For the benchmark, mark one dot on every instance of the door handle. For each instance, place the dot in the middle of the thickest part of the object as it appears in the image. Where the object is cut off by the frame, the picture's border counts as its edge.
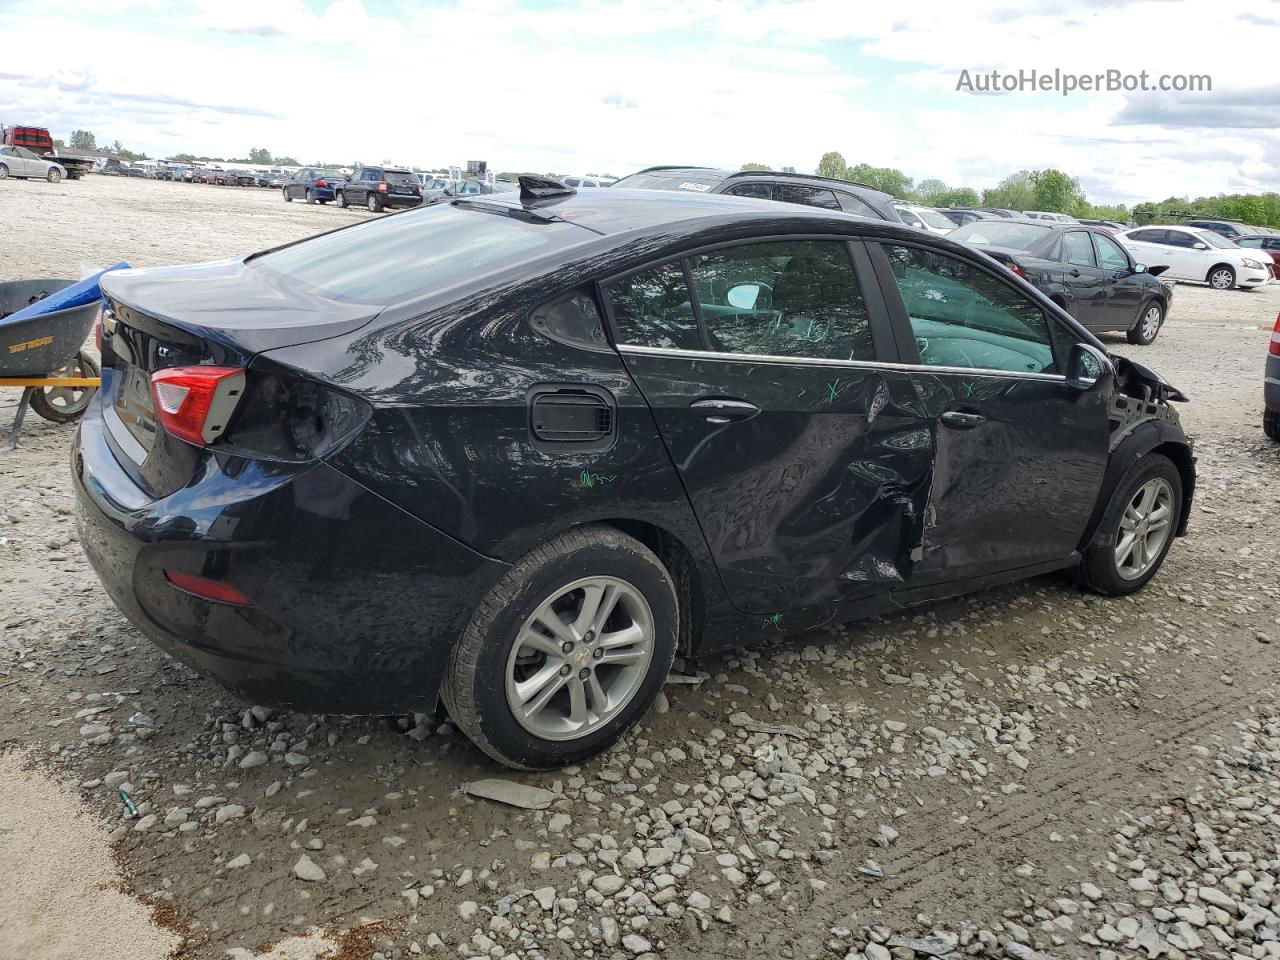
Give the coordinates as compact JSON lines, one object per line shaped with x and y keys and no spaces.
{"x":1075,"y":273}
{"x":959,"y":420}
{"x":725,"y":411}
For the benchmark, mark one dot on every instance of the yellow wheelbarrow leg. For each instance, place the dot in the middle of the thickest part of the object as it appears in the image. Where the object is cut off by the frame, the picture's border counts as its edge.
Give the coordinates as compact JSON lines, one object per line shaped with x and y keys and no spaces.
{"x":17,"y":420}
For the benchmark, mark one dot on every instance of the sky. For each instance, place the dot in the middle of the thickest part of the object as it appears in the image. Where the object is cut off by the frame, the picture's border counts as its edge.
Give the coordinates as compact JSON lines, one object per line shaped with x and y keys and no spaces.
{"x":611,"y":86}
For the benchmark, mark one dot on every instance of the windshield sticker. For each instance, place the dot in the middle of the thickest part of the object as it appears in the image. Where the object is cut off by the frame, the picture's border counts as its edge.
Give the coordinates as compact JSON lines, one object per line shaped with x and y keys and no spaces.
{"x":700,"y":187}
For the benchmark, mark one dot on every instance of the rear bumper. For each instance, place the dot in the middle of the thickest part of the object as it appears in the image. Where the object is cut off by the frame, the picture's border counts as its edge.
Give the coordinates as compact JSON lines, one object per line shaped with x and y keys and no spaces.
{"x":400,"y":199}
{"x":1271,"y":385}
{"x":356,"y":604}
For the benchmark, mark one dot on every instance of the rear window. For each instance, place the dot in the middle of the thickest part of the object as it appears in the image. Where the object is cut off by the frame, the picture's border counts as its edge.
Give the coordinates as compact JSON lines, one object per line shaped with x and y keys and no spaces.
{"x":1001,"y":233}
{"x":397,"y":258}
{"x":694,"y":181}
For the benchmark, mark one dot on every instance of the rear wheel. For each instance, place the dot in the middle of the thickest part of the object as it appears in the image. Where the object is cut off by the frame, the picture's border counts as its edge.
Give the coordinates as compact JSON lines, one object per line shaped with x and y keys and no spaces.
{"x":566,"y":652}
{"x":1149,"y":320}
{"x":1137,"y":529}
{"x":340,"y":199}
{"x":1271,"y":423}
{"x":311,"y":197}
{"x":1222,"y":277}
{"x":374,"y":204}
{"x":54,"y":175}
{"x":64,"y":404}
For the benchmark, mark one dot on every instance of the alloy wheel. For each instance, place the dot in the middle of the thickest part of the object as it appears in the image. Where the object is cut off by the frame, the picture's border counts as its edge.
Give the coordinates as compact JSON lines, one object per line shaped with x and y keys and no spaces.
{"x":580,"y":658}
{"x":1151,"y":323}
{"x":1144,"y":528}
{"x":1221,"y":279}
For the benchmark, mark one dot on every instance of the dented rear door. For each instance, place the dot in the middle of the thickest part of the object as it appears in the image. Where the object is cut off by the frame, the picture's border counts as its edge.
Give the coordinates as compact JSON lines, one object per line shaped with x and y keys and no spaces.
{"x":760,"y":362}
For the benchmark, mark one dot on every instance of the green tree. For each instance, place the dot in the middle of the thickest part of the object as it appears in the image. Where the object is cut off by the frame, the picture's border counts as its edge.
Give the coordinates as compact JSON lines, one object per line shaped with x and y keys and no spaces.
{"x":1015,"y":192}
{"x":83,"y":140}
{"x":260,"y":156}
{"x":959,"y":197}
{"x":1056,"y":192}
{"x":833,"y":165}
{"x":287,"y":162}
{"x":885,"y":179}
{"x":755,"y":166}
{"x":928,"y":191}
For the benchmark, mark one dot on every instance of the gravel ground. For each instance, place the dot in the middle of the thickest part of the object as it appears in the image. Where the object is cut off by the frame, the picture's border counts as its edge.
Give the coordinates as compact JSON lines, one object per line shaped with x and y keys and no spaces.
{"x":1031,"y":772}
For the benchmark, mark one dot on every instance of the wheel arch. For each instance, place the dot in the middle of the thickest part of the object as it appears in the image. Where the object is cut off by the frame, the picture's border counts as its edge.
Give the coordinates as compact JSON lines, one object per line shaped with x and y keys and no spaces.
{"x":1221,"y":263}
{"x":1148,"y":437}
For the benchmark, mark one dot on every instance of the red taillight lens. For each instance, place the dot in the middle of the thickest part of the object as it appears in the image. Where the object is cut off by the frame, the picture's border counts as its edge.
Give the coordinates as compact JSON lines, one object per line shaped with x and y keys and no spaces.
{"x":206,"y":588}
{"x":195,"y":403}
{"x":1015,"y":267}
{"x":1275,"y":338}
{"x":322,"y":182}
{"x":382,"y":186}
{"x":419,"y":189}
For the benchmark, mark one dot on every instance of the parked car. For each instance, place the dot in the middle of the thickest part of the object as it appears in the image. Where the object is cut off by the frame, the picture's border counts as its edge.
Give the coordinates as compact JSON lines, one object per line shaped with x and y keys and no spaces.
{"x":768,"y":185}
{"x":245,"y":178}
{"x":1003,"y":212}
{"x":380,"y":187}
{"x":313,"y":184}
{"x":433,"y":187}
{"x":1199,"y":255}
{"x":473,"y":187}
{"x":22,"y":163}
{"x":580,"y":182}
{"x":1230,"y":229}
{"x":924,"y":218}
{"x":1111,"y":226}
{"x":521,"y":449}
{"x":1269,"y":244}
{"x":1046,"y":215}
{"x":962,"y":215}
{"x":1082,"y":269}
{"x":1271,"y":387}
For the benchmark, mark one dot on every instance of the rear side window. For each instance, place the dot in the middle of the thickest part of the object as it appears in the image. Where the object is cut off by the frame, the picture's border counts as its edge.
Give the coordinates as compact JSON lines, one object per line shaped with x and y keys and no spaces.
{"x":1148,"y":236}
{"x":809,"y":196}
{"x":1077,"y":249}
{"x":964,"y":317}
{"x":653,"y":309}
{"x":852,"y":204}
{"x":791,"y":299}
{"x":429,"y":248}
{"x":761,"y":191}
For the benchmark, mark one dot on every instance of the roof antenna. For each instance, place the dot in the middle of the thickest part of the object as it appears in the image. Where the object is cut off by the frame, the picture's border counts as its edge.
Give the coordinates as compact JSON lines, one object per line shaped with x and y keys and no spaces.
{"x":534,"y":189}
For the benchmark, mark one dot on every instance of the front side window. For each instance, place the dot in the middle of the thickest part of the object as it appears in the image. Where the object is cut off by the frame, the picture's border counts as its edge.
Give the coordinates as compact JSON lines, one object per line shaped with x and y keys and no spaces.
{"x":964,"y":317}
{"x":1110,"y":254}
{"x":1077,"y":250}
{"x":653,"y":308}
{"x":787,"y":299}
{"x":809,"y":196}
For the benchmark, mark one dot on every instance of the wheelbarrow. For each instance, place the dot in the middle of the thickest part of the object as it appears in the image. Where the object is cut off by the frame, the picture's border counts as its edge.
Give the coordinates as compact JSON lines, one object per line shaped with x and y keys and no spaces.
{"x":44,"y":354}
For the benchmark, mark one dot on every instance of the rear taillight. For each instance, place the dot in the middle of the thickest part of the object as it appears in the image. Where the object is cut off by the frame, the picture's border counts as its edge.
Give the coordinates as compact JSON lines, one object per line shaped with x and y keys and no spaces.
{"x":195,"y":403}
{"x":419,"y":189}
{"x":382,"y":186}
{"x":206,"y":588}
{"x":1015,"y":267}
{"x":1275,"y":338}
{"x":285,"y":417}
{"x":322,"y":182}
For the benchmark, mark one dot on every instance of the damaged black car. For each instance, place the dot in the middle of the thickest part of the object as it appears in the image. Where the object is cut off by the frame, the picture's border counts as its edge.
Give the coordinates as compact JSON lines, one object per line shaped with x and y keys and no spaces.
{"x":523,"y":449}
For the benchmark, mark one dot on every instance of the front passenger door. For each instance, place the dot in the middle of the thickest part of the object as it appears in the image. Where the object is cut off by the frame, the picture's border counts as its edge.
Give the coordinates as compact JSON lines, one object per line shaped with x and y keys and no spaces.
{"x":1018,"y":455}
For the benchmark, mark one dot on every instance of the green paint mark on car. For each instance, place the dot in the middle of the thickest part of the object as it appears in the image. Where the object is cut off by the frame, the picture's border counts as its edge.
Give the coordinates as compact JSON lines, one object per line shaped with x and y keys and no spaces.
{"x":588,"y":479}
{"x":774,"y":621}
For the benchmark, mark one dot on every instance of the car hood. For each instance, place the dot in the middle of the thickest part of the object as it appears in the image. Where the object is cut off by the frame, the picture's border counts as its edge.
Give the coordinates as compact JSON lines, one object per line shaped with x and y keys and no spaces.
{"x":235,"y":303}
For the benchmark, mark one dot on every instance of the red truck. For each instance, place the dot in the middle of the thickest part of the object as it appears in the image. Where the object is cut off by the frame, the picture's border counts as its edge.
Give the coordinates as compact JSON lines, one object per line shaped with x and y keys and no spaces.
{"x":39,"y":142}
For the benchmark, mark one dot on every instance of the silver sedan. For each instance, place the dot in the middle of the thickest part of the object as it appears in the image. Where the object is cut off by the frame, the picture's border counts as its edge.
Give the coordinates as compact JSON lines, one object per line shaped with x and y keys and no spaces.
{"x":21,"y":162}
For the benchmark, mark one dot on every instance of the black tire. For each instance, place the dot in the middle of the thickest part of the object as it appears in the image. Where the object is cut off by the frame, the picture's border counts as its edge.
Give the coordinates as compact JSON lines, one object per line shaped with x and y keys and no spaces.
{"x":54,"y":175}
{"x":1147,"y":326}
{"x":287,"y":198}
{"x":58,"y":407}
{"x":1098,"y":570}
{"x":1271,"y":423}
{"x":4,"y":172}
{"x":1221,"y":277}
{"x":474,"y":688}
{"x":311,"y":197}
{"x":373,"y":203}
{"x":340,"y":199}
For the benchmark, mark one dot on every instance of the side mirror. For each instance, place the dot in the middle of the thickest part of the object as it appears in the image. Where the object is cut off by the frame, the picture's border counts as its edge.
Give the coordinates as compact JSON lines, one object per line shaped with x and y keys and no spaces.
{"x":1139,"y":268}
{"x":1202,"y":246}
{"x":744,"y":296}
{"x":1087,"y":366}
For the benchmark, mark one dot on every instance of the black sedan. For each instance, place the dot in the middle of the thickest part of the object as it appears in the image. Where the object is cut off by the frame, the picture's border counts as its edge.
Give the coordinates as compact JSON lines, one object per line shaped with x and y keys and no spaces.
{"x":522,"y":449}
{"x":1082,"y":269}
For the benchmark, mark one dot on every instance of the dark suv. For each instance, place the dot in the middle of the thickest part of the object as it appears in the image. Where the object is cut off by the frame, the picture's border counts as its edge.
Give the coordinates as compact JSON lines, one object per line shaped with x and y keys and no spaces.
{"x":380,"y":187}
{"x":521,"y":449}
{"x":1231,"y":229}
{"x":768,"y":185}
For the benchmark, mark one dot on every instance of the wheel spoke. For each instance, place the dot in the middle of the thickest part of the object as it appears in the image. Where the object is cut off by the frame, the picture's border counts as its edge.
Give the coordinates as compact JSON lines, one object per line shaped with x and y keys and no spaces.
{"x":533,"y":640}
{"x":551,"y":621}
{"x":605,"y":609}
{"x":592,"y":594}
{"x":544,"y":697}
{"x":622,"y":638}
{"x":578,"y":715}
{"x":1124,"y":548}
{"x":599,"y":699}
{"x":1139,"y":552}
{"x":526,"y":690}
{"x":630,"y":655}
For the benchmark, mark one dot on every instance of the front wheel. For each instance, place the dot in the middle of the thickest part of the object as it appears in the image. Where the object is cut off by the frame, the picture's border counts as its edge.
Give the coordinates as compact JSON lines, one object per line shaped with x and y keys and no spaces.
{"x":64,"y":404}
{"x":54,"y":175}
{"x":1137,"y":529}
{"x":566,"y":652}
{"x":1222,"y":278}
{"x":287,"y":198}
{"x":4,"y":172}
{"x":1144,"y":331}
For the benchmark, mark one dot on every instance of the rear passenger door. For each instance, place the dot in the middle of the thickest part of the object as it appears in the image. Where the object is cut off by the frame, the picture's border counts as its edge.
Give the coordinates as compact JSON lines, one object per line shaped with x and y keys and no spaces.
{"x":1085,"y":282}
{"x":1018,"y":455}
{"x":759,"y":362}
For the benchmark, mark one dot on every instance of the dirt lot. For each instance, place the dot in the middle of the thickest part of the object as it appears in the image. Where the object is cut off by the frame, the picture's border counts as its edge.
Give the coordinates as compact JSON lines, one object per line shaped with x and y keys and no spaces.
{"x":1029,"y":772}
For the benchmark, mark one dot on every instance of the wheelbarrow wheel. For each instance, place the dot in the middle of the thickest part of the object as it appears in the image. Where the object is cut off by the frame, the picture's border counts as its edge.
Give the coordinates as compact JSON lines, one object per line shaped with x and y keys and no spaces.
{"x":64,"y":404}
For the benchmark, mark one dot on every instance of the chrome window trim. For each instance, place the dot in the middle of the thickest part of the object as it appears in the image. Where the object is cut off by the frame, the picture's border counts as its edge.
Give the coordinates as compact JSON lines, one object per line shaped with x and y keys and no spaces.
{"x":822,"y":362}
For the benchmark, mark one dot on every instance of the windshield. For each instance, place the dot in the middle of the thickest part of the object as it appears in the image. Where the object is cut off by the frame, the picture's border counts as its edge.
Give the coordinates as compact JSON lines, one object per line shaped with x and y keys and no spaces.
{"x":697,"y":181}
{"x":397,"y":258}
{"x":1213,"y":239}
{"x":1001,"y":233}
